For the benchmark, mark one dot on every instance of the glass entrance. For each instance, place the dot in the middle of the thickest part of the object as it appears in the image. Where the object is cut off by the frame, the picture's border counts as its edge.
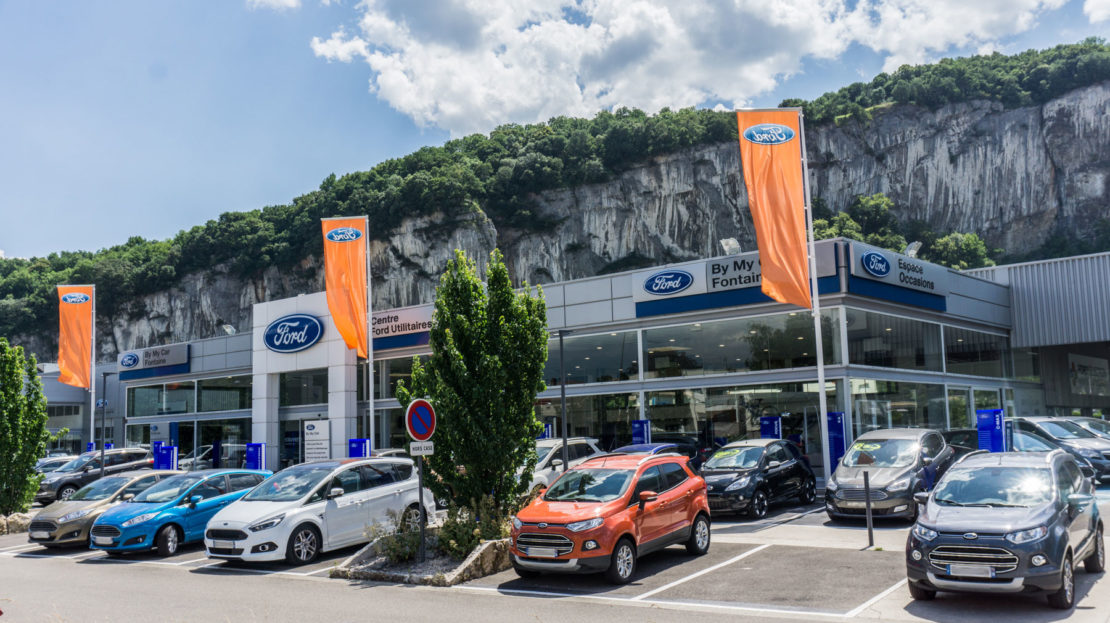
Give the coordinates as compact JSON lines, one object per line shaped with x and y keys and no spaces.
{"x":292,"y":443}
{"x":959,"y":408}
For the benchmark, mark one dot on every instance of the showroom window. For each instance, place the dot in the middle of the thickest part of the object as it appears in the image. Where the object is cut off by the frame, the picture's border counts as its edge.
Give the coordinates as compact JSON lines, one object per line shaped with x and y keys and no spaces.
{"x":600,"y":358}
{"x":224,"y":394}
{"x":889,"y":404}
{"x":740,"y":345}
{"x":974,"y":352}
{"x":892,"y":341}
{"x":1027,"y":364}
{"x":607,"y":418}
{"x":386,"y":374}
{"x":162,"y":399}
{"x":304,"y":387}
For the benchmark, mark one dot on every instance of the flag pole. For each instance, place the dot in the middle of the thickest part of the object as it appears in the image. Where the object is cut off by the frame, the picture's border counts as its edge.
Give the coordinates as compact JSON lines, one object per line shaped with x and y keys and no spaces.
{"x":92,"y":383}
{"x":373,"y":420}
{"x":823,"y":419}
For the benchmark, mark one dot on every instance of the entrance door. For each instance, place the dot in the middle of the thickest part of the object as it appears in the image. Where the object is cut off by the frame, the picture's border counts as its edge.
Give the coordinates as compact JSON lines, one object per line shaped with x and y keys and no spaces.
{"x":959,"y":408}
{"x":292,"y":443}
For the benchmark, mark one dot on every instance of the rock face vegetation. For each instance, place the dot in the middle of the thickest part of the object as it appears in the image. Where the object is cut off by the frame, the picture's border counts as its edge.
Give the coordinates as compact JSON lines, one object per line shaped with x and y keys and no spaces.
{"x":986,"y":158}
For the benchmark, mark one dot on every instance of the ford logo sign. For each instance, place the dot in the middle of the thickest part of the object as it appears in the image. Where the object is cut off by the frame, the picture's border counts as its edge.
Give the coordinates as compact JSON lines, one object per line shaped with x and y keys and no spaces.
{"x":343,"y":234}
{"x":75,"y":298}
{"x":293,"y":333}
{"x":130,"y":360}
{"x":970,"y":536}
{"x":769,"y":134}
{"x":876,"y":264}
{"x":668,"y":282}
{"x":310,"y":427}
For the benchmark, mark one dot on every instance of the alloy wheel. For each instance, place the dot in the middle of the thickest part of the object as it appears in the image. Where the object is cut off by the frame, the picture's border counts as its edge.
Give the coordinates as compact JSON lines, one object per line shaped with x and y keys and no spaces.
{"x":65,"y":494}
{"x":171,"y":540}
{"x":304,"y":545}
{"x":1069,"y":581}
{"x":701,"y":534}
{"x":759,"y":505}
{"x":624,"y":560}
{"x":1100,"y":550}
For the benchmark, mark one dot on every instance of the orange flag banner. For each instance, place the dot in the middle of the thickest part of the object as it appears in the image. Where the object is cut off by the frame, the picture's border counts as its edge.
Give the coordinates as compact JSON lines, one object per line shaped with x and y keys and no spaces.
{"x":345,"y":276}
{"x":75,"y":326}
{"x":771,"y":154}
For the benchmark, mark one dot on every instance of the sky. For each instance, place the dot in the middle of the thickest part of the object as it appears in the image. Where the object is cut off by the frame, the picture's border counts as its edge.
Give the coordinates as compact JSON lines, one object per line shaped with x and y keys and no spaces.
{"x":139,"y":118}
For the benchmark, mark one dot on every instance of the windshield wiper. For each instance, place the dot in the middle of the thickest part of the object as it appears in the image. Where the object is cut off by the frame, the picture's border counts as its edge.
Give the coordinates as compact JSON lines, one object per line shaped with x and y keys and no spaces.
{"x":955,"y":503}
{"x":1001,"y":505}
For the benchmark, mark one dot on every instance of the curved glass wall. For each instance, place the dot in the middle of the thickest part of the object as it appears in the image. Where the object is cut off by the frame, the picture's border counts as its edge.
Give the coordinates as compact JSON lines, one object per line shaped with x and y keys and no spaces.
{"x":892,"y":341}
{"x":975,"y":352}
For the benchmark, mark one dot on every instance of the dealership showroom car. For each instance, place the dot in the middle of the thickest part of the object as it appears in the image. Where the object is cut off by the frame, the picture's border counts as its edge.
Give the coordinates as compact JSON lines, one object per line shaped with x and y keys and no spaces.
{"x":605,"y":513}
{"x":315,"y":507}
{"x":966,"y":440}
{"x":67,"y":522}
{"x":899,"y":462}
{"x":67,"y":479}
{"x":748,"y":476}
{"x":51,"y":463}
{"x":1076,"y":438}
{"x":549,"y":458}
{"x":1007,"y":523}
{"x":171,"y":513}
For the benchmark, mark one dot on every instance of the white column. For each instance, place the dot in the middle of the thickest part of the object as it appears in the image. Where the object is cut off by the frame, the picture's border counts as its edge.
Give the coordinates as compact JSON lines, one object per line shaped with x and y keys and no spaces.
{"x":264,"y":417}
{"x":342,"y":396}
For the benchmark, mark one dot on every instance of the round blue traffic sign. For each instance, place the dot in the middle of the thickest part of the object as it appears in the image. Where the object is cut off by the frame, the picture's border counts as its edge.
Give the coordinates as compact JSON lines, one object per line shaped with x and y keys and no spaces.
{"x":420,"y":419}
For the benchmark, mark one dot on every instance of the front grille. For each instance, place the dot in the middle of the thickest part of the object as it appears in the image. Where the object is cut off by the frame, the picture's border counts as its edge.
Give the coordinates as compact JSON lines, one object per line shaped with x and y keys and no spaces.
{"x":111,"y":531}
{"x":222,"y":551}
{"x":42,"y":526}
{"x":857,"y":495}
{"x":226,"y":535}
{"x":562,"y":544}
{"x":1002,"y":560}
{"x":719,"y":503}
{"x":1106,"y":455}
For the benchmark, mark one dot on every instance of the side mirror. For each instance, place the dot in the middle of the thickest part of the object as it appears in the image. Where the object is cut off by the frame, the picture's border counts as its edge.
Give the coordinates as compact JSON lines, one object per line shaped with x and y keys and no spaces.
{"x":1079,"y":501}
{"x":194,"y":500}
{"x":1088,"y":471}
{"x":774,"y":464}
{"x":927,"y":461}
{"x":126,"y":497}
{"x":921,"y":497}
{"x":556,"y":463}
{"x":647,"y":496}
{"x":335,"y":492}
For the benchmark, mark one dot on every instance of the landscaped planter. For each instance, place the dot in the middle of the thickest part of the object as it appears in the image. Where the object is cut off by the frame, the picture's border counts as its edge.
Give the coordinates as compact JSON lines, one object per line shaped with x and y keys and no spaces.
{"x":15,"y":523}
{"x":368,"y":564}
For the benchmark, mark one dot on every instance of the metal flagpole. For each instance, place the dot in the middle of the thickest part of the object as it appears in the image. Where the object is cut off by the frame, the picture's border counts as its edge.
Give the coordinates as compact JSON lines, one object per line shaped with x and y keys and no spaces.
{"x":369,"y":344}
{"x":92,"y":384}
{"x":823,"y":416}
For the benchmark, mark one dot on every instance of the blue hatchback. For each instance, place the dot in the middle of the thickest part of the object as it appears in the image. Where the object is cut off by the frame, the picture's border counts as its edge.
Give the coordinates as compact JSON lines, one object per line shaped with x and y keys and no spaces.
{"x":173,"y":512}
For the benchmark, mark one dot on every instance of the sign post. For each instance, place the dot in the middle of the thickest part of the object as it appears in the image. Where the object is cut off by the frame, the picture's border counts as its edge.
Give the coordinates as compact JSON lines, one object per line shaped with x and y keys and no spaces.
{"x":420,"y":420}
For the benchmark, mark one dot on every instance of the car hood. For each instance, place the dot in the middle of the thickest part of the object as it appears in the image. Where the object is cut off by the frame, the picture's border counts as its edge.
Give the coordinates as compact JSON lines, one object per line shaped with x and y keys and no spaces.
{"x":879,"y":476}
{"x":984,"y":520}
{"x":566,"y":512}
{"x":61,"y":509}
{"x":1098,"y":443}
{"x":718,"y":479}
{"x":240,"y":513}
{"x":123,"y":512}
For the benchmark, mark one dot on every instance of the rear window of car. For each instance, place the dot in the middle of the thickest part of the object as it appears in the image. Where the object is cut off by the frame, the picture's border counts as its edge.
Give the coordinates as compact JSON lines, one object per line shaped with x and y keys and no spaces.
{"x":673,"y":475}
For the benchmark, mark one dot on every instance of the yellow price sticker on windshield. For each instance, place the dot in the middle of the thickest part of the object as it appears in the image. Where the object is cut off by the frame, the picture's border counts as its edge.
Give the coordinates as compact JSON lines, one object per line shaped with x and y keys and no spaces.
{"x":866,"y":447}
{"x":724,"y":453}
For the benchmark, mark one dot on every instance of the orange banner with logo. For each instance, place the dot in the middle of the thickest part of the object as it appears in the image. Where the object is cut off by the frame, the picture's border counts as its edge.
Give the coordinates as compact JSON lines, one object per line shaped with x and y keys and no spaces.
{"x":771,"y":154}
{"x":345,"y":274}
{"x":75,"y":331}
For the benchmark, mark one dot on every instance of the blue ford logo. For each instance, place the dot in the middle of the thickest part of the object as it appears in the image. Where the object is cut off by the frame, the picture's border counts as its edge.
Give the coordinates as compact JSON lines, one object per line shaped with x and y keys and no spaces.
{"x":292,"y":333}
{"x":75,"y":298}
{"x":668,"y":282}
{"x":344,"y":234}
{"x":310,"y":427}
{"x":130,"y":360}
{"x":876,"y":264}
{"x":769,"y":134}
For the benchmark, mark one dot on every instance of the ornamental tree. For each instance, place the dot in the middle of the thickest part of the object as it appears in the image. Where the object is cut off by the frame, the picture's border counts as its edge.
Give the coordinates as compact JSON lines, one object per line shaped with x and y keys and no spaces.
{"x":23,"y":434}
{"x":489,"y":347}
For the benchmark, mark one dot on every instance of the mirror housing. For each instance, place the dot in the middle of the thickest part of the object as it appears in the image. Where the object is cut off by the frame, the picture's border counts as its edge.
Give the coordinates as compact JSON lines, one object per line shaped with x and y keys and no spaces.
{"x":921,"y":497}
{"x":647,"y":496}
{"x":194,"y":500}
{"x":927,"y":461}
{"x":773,"y":464}
{"x":1088,"y":471}
{"x":335,"y":492}
{"x":127,"y":497}
{"x":556,"y":463}
{"x":1079,"y":501}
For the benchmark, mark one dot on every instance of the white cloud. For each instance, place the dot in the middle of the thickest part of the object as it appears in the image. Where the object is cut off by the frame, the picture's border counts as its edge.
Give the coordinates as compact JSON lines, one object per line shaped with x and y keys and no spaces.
{"x":469,"y":65}
{"x":277,"y":5}
{"x":1,"y":254}
{"x":1097,"y":10}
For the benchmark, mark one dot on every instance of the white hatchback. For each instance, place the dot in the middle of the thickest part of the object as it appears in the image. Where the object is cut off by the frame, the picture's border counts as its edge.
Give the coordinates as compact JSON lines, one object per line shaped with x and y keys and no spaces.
{"x":315,"y":507}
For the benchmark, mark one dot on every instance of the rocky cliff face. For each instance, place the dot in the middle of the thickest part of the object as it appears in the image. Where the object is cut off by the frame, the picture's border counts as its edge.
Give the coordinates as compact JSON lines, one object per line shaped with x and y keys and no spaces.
{"x":1013,"y":176}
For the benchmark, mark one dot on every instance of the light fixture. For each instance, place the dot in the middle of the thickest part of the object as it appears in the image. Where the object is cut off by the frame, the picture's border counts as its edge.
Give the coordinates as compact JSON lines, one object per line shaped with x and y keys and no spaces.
{"x":599,"y":348}
{"x":753,"y":331}
{"x":959,"y":339}
{"x":613,"y":335}
{"x":888,"y":329}
{"x":671,"y":340}
{"x":697,"y":324}
{"x":766,"y":350}
{"x":731,"y":246}
{"x":912,"y":249}
{"x":228,"y":329}
{"x":801,"y":337}
{"x":720,"y":345}
{"x":587,"y":358}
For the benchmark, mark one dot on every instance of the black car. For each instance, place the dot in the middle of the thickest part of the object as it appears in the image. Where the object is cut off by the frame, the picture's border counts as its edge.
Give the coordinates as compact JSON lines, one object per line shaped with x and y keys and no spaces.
{"x":899,"y":462}
{"x":1006,"y":522}
{"x":748,"y":476}
{"x":690,"y":445}
{"x":965,"y":440}
{"x":1075,"y":438}
{"x":66,"y":480}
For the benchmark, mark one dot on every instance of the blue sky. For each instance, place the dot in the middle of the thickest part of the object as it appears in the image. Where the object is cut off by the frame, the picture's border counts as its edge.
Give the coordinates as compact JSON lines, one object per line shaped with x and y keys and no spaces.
{"x":144,"y":118}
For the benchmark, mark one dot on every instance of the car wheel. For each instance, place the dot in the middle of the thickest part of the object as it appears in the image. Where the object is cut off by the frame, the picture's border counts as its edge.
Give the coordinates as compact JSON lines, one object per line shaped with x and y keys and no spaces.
{"x":65,"y":492}
{"x":622,"y":564}
{"x":1096,"y":561}
{"x":758,"y":507}
{"x":410,"y":520}
{"x":698,"y":543}
{"x":1064,"y":599}
{"x":920,"y":593}
{"x":524,"y":573}
{"x":303,"y":546}
{"x":808,"y":493}
{"x":167,"y":541}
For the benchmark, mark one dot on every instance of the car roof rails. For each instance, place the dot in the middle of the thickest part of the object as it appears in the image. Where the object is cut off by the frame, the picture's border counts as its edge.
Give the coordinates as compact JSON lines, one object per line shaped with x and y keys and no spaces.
{"x":972,"y":453}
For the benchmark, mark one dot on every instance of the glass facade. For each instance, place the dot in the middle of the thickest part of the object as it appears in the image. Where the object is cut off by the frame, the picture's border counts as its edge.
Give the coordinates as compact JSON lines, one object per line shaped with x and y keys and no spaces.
{"x":304,"y":387}
{"x":975,"y":352}
{"x":161,"y":399}
{"x":599,"y":358}
{"x":959,"y":408}
{"x":607,"y":418}
{"x":892,"y":341}
{"x":386,"y":374}
{"x":224,"y":394}
{"x":893,"y":404}
{"x":1027,"y":364}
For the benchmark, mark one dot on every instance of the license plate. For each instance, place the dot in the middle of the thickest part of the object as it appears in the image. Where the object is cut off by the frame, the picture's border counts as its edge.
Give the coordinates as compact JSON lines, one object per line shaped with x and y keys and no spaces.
{"x":102,"y":540}
{"x":852,"y":504}
{"x":40,"y":535}
{"x":542,"y":552}
{"x":971,"y":571}
{"x":223,"y":544}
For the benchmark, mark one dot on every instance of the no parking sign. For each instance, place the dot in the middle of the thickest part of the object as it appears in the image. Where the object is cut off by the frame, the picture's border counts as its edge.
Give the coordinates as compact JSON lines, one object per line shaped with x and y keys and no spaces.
{"x":420,"y":420}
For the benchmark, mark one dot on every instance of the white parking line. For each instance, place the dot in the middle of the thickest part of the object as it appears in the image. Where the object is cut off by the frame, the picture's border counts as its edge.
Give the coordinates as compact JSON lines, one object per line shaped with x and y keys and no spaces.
{"x":702,"y":572}
{"x":185,"y":562}
{"x":87,"y":554}
{"x":867,"y":604}
{"x":24,"y":547}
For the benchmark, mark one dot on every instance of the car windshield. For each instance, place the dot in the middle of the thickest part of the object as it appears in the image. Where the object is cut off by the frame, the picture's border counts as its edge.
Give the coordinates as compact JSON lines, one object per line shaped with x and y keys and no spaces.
{"x":735,"y":458}
{"x":542,"y":452}
{"x":589,"y":485}
{"x":289,"y":484}
{"x":169,"y":488}
{"x":1025,"y":442}
{"x":1066,"y":430}
{"x":1098,"y":425}
{"x":77,"y":463}
{"x":882,"y":453}
{"x":995,"y":486}
{"x":100,"y":490}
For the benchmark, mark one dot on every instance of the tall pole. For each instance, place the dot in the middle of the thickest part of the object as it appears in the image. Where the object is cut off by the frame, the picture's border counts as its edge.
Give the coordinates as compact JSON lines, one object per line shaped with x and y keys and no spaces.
{"x":563,"y":396}
{"x":373,"y":419}
{"x":92,"y":383}
{"x":104,"y":386}
{"x":823,"y":416}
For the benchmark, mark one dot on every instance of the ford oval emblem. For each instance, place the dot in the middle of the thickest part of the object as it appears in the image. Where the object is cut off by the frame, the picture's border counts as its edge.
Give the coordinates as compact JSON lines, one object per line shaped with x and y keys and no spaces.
{"x":292,"y":334}
{"x":876,"y":264}
{"x":541,"y":525}
{"x":310,"y":427}
{"x":75,"y":298}
{"x":668,"y":282}
{"x":970,"y":536}
{"x":130,"y":360}
{"x":769,"y":134}
{"x":343,"y":234}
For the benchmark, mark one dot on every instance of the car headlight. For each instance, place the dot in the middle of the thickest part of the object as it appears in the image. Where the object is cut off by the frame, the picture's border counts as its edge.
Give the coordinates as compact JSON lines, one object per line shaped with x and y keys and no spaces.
{"x":588,"y":524}
{"x":831,"y":485}
{"x":75,"y":515}
{"x":739,"y":483}
{"x":267,"y":524}
{"x":516,"y":523}
{"x":139,"y":519}
{"x":900,"y":485}
{"x":923,"y":533}
{"x":1027,"y":536}
{"x":1090,"y":454}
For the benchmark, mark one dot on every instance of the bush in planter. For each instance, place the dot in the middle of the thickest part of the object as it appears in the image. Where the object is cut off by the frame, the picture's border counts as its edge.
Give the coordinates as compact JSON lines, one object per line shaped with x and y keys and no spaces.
{"x":464,"y":529}
{"x":398,"y":540}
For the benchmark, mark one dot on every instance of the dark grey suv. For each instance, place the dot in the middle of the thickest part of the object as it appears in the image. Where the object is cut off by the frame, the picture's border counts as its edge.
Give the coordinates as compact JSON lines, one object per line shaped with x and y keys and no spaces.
{"x":1007,"y":522}
{"x":67,"y":479}
{"x":1074,"y":437}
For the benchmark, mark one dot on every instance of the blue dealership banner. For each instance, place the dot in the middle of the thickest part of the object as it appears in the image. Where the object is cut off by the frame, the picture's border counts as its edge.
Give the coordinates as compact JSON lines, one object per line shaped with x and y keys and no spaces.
{"x":166,"y":457}
{"x":109,"y":445}
{"x":548,"y":431}
{"x":770,"y":427}
{"x":256,"y":456}
{"x":89,"y":447}
{"x":641,"y":431}
{"x":991,"y":430}
{"x":358,"y":448}
{"x":836,"y":437}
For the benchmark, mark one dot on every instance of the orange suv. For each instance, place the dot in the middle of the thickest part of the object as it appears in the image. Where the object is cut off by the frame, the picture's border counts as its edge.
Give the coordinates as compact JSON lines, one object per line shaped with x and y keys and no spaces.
{"x":608,"y":511}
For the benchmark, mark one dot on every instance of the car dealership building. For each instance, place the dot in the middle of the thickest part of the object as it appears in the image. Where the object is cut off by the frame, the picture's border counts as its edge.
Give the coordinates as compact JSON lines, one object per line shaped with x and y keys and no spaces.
{"x":695,"y":348}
